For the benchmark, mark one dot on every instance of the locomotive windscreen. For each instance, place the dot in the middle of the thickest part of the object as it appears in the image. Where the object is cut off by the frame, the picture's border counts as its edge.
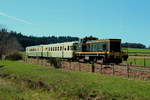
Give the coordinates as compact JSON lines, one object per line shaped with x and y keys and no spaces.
{"x":115,"y":46}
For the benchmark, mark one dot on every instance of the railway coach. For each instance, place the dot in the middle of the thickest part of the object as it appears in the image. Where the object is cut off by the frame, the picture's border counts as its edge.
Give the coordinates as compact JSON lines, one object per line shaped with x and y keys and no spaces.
{"x":59,"y":50}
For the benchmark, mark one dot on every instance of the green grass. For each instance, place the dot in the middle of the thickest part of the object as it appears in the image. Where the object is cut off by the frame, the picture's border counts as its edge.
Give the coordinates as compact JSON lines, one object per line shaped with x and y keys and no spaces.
{"x":72,"y":85}
{"x":135,"y":51}
{"x":138,"y":61}
{"x":9,"y":90}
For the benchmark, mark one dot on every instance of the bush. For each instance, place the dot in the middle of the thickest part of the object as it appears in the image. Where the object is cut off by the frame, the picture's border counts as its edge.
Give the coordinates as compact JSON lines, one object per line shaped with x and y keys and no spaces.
{"x":15,"y":56}
{"x":56,"y":62}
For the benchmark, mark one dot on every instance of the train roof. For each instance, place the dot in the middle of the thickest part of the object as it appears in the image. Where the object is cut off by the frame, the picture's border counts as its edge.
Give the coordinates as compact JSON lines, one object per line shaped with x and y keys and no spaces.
{"x":101,"y":40}
{"x":67,"y":43}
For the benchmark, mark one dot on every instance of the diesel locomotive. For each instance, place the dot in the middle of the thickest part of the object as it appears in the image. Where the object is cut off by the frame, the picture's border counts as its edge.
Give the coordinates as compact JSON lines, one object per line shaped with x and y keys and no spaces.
{"x":101,"y":51}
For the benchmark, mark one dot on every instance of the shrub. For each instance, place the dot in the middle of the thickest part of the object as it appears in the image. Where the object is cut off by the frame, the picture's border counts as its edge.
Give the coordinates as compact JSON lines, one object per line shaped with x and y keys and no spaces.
{"x":56,"y":62}
{"x":15,"y":56}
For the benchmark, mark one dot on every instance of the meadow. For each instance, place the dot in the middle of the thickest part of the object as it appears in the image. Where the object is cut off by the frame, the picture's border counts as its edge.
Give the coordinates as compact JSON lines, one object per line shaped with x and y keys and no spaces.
{"x":137,"y":52}
{"x":21,"y":81}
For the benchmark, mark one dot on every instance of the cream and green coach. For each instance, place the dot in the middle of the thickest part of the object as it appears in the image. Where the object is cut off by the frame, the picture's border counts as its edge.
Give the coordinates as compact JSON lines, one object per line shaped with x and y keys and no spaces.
{"x":59,"y":50}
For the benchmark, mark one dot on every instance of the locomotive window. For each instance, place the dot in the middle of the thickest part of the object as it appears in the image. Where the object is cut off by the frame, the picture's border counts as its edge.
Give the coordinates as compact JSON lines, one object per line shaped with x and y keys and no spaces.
{"x":104,"y":46}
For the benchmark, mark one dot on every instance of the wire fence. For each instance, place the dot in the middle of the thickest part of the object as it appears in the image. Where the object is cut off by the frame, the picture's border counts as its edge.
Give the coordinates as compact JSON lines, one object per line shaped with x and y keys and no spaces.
{"x":126,"y":70}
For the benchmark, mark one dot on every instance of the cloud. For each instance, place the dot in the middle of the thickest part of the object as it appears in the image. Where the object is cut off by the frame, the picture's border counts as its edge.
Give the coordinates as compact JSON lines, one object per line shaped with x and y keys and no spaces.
{"x":14,"y":18}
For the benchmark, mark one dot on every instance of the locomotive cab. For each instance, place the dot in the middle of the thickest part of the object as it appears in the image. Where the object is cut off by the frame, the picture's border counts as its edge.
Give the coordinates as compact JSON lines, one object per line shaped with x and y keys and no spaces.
{"x":104,"y":51}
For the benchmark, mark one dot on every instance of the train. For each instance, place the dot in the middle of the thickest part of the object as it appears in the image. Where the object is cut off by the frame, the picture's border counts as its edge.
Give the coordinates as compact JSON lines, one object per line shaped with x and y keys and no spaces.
{"x":100,"y":51}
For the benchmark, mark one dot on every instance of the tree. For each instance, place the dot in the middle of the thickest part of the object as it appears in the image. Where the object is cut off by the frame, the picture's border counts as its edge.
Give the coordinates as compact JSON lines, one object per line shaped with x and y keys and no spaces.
{"x":133,"y":45}
{"x":8,"y":44}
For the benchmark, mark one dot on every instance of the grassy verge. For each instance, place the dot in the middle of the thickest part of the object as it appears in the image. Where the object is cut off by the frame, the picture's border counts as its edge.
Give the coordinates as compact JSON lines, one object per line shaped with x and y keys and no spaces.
{"x":70,"y":85}
{"x":9,"y":90}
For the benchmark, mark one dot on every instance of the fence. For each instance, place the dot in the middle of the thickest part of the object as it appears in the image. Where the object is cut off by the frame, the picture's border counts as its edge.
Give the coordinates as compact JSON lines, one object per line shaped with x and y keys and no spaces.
{"x":111,"y":69}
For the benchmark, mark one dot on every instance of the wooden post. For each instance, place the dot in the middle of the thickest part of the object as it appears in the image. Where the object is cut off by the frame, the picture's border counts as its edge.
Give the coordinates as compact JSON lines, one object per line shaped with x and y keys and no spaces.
{"x":70,"y":65}
{"x":79,"y":66}
{"x":74,"y":66}
{"x":113,"y":69}
{"x":61,"y":63}
{"x":101,"y":68}
{"x":93,"y":67}
{"x":135,"y":61}
{"x":128,"y":70}
{"x":144,"y":61}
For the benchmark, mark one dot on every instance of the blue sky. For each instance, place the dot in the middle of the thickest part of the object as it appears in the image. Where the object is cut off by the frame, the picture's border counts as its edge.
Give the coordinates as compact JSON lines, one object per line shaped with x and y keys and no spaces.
{"x":125,"y":19}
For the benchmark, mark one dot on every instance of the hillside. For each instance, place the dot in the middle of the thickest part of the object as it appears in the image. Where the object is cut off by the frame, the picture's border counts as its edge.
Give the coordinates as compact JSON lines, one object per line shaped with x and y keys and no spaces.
{"x":44,"y":83}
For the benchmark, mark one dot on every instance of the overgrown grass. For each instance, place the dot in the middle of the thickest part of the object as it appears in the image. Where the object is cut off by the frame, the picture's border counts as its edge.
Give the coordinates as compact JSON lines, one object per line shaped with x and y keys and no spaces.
{"x":75,"y":85}
{"x":9,"y":90}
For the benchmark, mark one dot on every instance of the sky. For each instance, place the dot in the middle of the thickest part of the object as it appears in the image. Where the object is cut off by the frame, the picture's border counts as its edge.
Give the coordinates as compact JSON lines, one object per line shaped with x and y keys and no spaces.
{"x":128,"y":20}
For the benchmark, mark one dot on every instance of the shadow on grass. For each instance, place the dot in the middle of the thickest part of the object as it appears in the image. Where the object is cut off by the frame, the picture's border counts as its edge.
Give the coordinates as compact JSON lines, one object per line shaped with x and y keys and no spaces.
{"x":1,"y":66}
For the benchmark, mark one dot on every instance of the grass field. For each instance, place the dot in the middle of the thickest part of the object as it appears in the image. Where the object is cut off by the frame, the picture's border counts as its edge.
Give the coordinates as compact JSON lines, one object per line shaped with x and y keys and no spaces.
{"x":138,"y":61}
{"x":135,"y":51}
{"x":20,"y":81}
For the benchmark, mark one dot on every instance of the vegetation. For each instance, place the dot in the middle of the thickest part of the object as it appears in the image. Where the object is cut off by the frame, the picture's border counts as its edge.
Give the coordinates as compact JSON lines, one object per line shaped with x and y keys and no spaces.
{"x":138,"y":61}
{"x":32,"y":40}
{"x":56,"y":62}
{"x":66,"y":85}
{"x":8,"y":44}
{"x":15,"y":56}
{"x":136,"y":51}
{"x":133,"y":45}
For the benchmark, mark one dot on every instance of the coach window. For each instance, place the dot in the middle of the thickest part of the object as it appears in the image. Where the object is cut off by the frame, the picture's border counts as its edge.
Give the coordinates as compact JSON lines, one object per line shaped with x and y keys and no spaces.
{"x":68,"y":48}
{"x":55,"y":48}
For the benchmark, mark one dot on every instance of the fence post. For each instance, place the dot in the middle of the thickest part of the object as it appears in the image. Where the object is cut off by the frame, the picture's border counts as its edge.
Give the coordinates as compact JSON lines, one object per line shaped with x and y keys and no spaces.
{"x":101,"y":68}
{"x":144,"y":61}
{"x":113,"y":69}
{"x":135,"y":61}
{"x":93,"y":67}
{"x":74,"y":66}
{"x":128,"y":70}
{"x":79,"y":66}
{"x":70,"y":65}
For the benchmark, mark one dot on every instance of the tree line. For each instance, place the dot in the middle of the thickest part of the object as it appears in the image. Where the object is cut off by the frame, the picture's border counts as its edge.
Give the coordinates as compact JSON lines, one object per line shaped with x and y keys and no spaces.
{"x":133,"y":45}
{"x":32,"y":40}
{"x":12,"y":41}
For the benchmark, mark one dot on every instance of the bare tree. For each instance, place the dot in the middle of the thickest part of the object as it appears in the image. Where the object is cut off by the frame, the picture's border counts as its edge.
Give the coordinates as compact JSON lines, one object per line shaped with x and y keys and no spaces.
{"x":8,"y":44}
